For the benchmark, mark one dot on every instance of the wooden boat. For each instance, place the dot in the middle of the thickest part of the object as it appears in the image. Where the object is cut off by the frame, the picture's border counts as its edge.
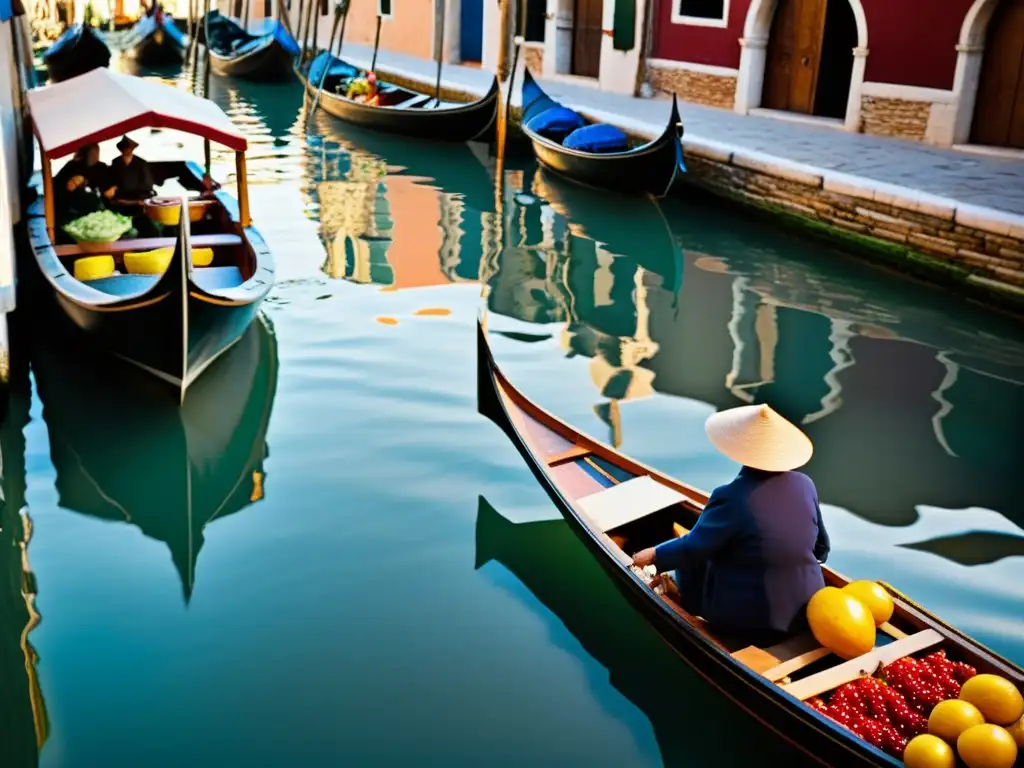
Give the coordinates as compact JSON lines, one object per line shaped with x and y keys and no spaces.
{"x":650,"y":168}
{"x":74,"y":53}
{"x":235,"y":52}
{"x":618,"y":506}
{"x":121,"y":455}
{"x":401,"y":111}
{"x":173,"y":323}
{"x":155,"y":41}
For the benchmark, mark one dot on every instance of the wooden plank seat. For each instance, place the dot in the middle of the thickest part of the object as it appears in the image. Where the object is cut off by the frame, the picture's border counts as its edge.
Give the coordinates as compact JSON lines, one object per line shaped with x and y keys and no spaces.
{"x":152,"y":243}
{"x":627,"y":502}
{"x":415,"y":102}
{"x":861,"y":666}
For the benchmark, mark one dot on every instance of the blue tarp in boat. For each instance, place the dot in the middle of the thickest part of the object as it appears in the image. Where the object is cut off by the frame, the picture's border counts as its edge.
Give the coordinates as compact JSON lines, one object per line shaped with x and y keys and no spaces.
{"x":335,"y":69}
{"x":599,"y":137}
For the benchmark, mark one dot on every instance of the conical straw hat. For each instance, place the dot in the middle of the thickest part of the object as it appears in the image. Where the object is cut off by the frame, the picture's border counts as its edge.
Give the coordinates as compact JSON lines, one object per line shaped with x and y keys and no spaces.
{"x":758,"y":437}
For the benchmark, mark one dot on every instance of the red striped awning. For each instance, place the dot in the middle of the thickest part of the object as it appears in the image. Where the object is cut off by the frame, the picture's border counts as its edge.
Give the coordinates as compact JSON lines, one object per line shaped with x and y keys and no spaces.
{"x":102,"y":105}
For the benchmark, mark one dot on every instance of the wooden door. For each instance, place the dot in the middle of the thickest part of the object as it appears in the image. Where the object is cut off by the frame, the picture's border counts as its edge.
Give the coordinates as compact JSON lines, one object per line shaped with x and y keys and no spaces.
{"x":999,"y":110}
{"x":794,"y":55}
{"x":586,"y":38}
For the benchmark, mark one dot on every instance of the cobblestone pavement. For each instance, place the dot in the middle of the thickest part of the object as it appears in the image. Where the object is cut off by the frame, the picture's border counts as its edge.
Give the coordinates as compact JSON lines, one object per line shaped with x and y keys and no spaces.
{"x":965,"y":177}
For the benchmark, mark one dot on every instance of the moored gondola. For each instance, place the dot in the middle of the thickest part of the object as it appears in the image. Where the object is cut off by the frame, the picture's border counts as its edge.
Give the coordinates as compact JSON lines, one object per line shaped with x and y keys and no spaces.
{"x":173,"y":304}
{"x":394,"y":109}
{"x":618,"y":165}
{"x":155,"y":41}
{"x":617,"y":506}
{"x":235,"y":52}
{"x":74,"y":53}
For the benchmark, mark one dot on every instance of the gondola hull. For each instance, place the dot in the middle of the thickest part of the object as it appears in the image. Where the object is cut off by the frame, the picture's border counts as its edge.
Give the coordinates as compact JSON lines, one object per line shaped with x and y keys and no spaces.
{"x":269,"y":60}
{"x":155,"y":43}
{"x":649,"y":169}
{"x":74,"y":53}
{"x":459,"y":123}
{"x":822,"y":740}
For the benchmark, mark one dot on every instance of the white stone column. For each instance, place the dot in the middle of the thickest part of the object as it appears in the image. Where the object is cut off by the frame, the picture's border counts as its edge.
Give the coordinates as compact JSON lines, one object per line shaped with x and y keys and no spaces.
{"x":453,"y":31}
{"x":853,"y":102}
{"x":965,"y":89}
{"x":558,"y":38}
{"x":750,"y":82}
{"x":492,"y":35}
{"x":618,"y":70}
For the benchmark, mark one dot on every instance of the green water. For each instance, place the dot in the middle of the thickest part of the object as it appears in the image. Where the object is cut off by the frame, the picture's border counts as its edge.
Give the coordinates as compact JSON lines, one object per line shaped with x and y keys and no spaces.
{"x":328,"y":558}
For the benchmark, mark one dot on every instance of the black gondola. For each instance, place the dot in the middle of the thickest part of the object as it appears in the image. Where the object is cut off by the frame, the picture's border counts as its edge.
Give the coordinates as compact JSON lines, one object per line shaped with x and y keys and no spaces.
{"x":173,"y":314}
{"x":650,"y":168}
{"x":155,"y":41}
{"x":74,"y":53}
{"x":235,"y":52}
{"x":774,"y":685}
{"x":400,"y":110}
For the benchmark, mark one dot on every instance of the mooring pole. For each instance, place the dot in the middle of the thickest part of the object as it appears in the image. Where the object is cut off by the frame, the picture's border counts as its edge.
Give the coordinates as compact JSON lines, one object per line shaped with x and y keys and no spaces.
{"x":376,"y":45}
{"x":506,"y":24}
{"x":341,"y":35}
{"x":439,"y":48}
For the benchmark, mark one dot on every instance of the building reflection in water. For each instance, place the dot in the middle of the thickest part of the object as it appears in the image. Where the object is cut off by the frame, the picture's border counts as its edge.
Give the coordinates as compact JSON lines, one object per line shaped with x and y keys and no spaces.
{"x":24,"y":725}
{"x":548,"y":559}
{"x":900,"y":404}
{"x":133,"y":457}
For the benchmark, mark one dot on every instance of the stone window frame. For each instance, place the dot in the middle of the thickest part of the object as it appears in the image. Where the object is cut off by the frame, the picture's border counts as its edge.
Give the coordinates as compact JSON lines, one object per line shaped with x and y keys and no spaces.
{"x":700,"y":21}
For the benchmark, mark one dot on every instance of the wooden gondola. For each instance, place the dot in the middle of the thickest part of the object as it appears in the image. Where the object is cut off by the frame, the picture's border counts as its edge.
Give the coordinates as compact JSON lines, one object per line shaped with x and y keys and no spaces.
{"x":155,"y":41}
{"x":401,"y":111}
{"x":75,"y":52}
{"x":617,"y":506}
{"x":650,"y":168}
{"x":200,"y":463}
{"x":235,"y":52}
{"x":173,"y":323}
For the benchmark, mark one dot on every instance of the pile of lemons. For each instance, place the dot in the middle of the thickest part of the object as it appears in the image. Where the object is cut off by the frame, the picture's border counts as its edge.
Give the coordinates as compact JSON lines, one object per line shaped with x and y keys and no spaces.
{"x":986,"y":725}
{"x":844,"y":620}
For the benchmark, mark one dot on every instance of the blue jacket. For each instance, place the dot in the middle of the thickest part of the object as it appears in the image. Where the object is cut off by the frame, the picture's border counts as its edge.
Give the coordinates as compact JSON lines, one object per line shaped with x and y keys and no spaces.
{"x":762,"y":538}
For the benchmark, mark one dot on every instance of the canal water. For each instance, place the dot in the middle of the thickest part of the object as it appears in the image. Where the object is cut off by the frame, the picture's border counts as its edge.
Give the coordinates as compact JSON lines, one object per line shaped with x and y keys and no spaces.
{"x":328,"y":557}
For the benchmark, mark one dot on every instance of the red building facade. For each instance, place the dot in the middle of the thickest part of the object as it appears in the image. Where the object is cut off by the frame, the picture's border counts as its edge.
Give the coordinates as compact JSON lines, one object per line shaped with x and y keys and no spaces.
{"x":947,"y":72}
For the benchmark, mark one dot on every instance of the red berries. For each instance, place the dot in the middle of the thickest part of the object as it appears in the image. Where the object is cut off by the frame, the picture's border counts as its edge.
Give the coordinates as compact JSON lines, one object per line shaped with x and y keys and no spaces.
{"x":889,"y":715}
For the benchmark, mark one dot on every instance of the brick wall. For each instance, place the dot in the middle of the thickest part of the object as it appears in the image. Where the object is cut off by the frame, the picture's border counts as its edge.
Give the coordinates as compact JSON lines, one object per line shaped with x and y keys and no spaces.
{"x":697,"y":87}
{"x":895,"y":117}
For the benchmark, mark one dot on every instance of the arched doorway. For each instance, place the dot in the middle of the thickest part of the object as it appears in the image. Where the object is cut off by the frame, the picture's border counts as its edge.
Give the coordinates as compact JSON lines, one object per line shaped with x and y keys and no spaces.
{"x":999,"y":106}
{"x":810,"y":57}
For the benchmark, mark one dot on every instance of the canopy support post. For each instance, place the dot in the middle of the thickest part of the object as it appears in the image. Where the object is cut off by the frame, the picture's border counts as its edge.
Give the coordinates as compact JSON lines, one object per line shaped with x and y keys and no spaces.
{"x":51,"y":223}
{"x":243,"y":191}
{"x":376,"y":45}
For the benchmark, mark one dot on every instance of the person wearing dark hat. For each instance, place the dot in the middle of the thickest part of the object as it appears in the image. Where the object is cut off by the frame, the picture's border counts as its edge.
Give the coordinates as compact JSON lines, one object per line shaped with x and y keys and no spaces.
{"x":753,"y":560}
{"x":130,"y":174}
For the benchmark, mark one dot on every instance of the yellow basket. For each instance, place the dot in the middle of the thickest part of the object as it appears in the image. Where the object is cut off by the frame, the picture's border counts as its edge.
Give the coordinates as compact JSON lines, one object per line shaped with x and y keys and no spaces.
{"x":156,"y":262}
{"x":94,"y":267}
{"x":167,"y":210}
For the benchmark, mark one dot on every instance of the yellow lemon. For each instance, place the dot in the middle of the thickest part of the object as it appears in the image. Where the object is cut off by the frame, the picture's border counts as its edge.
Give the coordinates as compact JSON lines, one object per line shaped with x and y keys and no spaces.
{"x":1017,"y":731}
{"x":841,"y":623}
{"x":926,"y":751}
{"x":874,"y":596}
{"x":952,"y":717}
{"x":997,"y":698}
{"x":987,"y":746}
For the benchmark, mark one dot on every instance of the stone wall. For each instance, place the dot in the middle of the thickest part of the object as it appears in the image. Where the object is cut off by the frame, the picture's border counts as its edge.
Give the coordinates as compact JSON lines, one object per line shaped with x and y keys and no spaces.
{"x":533,"y":57}
{"x":976,"y":247}
{"x":895,"y":117}
{"x":697,"y":87}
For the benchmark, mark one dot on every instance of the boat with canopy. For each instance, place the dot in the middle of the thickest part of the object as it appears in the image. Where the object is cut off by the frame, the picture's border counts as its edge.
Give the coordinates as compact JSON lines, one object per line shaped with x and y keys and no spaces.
{"x":617,"y":506}
{"x":171,"y":304}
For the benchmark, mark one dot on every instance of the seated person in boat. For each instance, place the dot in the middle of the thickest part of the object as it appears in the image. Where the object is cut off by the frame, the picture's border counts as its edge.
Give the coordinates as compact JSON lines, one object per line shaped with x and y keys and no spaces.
{"x":752,"y":561}
{"x":130,"y":174}
{"x":79,"y":186}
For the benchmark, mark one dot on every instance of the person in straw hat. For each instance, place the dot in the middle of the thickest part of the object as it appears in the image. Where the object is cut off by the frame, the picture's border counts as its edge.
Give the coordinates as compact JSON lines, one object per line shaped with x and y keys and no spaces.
{"x":752,"y":561}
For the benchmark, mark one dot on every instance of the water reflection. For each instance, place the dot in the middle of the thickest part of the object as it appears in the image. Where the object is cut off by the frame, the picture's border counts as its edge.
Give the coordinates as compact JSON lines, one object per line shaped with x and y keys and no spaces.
{"x":24,"y":724}
{"x":902,"y":409}
{"x":551,"y":563}
{"x":121,"y":455}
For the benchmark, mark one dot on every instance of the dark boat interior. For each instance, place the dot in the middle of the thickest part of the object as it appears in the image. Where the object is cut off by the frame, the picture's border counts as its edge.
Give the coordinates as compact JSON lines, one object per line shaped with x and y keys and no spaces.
{"x":221,"y":256}
{"x":338,"y":76}
{"x":228,"y":38}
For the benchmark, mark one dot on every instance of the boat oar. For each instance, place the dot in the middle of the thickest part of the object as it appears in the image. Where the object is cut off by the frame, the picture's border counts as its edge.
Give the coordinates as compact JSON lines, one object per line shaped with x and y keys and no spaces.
{"x":327,"y":64}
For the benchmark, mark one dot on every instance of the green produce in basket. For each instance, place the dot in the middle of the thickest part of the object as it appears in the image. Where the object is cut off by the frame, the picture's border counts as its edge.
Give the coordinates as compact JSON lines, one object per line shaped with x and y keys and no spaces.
{"x":99,"y":227}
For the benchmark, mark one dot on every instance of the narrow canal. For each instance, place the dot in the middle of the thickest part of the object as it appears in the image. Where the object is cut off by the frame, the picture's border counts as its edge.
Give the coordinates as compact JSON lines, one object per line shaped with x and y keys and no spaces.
{"x":331,"y":559}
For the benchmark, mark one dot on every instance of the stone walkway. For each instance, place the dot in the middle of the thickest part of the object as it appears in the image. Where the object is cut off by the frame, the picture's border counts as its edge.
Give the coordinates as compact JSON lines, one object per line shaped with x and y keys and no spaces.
{"x":966,"y":178}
